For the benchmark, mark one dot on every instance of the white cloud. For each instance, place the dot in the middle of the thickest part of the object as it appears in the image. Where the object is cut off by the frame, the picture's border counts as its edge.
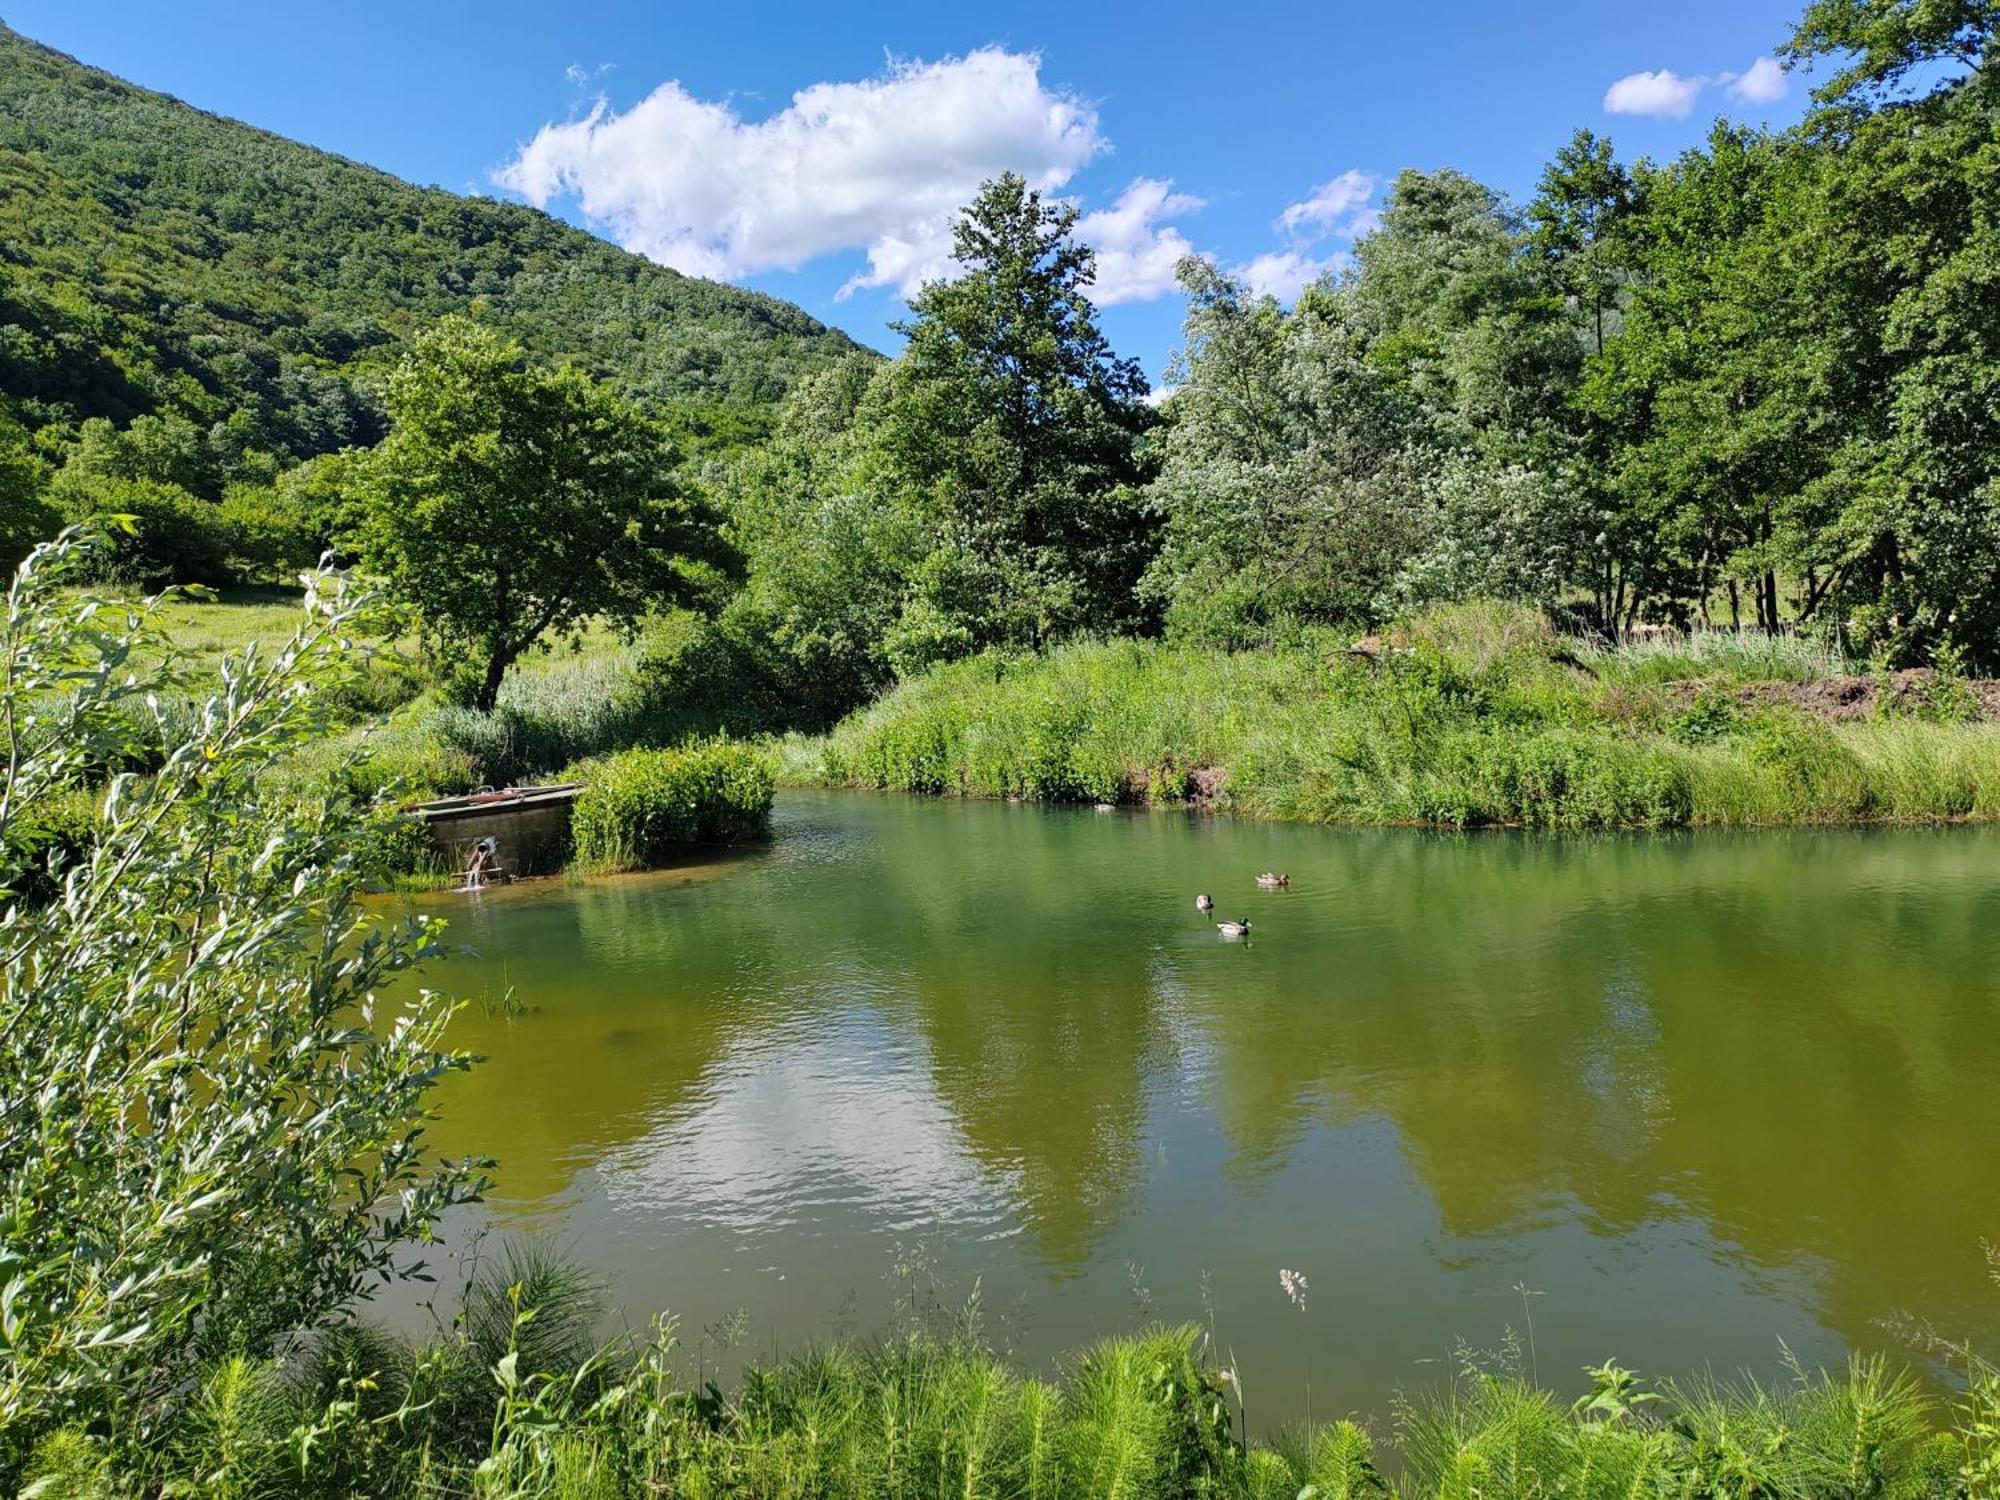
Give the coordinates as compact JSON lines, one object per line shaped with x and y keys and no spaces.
{"x":1764,"y":83}
{"x":1136,"y":250}
{"x":1664,"y":95}
{"x":1285,"y":273}
{"x":880,"y":165}
{"x":1336,"y":210}
{"x":1336,"y":207}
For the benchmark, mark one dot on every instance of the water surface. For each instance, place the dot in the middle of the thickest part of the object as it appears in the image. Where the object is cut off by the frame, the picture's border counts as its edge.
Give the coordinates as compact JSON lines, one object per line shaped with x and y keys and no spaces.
{"x":1701,"y":1093}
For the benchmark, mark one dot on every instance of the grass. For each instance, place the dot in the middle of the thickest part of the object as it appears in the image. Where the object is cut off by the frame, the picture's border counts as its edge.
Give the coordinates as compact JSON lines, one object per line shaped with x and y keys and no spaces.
{"x":1473,"y":716}
{"x":515,"y":1398}
{"x":639,"y":809}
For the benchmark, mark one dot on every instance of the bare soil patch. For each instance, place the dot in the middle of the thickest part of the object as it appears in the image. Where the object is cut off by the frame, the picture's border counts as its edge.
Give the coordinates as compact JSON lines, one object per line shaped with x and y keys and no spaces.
{"x":1842,"y":700}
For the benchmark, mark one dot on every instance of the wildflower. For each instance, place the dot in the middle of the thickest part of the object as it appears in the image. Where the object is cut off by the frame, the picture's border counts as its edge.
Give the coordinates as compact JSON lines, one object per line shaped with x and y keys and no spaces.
{"x":1294,"y":1283}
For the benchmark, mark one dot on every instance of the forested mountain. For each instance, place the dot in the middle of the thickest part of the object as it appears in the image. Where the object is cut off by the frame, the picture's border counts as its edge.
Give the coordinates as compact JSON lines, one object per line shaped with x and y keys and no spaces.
{"x":157,"y":259}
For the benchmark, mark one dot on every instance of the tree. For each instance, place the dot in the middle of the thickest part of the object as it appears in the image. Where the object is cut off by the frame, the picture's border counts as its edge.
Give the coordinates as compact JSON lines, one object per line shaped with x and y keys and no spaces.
{"x":1016,"y":432}
{"x":1458,"y":312}
{"x":1576,"y":222}
{"x":509,"y":503}
{"x":1885,"y":41}
{"x":25,"y":517}
{"x":1290,"y":485}
{"x":830,"y":548}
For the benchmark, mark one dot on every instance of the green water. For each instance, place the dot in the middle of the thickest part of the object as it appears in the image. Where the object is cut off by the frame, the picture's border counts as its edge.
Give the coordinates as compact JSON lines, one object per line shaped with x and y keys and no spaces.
{"x":1702,"y":1093}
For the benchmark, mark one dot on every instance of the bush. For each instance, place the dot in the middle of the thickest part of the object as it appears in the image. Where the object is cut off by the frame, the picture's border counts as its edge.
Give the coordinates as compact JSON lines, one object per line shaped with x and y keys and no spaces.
{"x":211,"y":944}
{"x":641,"y":808}
{"x":267,"y":533}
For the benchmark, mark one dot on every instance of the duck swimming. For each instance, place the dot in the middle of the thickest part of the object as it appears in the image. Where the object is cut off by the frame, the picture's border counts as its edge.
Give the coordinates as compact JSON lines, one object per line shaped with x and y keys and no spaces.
{"x":1204,"y":902}
{"x":1234,"y":929}
{"x":1271,"y":882}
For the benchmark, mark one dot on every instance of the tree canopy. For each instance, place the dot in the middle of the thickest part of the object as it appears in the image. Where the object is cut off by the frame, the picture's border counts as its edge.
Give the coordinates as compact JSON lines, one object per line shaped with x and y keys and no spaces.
{"x":510,"y":502}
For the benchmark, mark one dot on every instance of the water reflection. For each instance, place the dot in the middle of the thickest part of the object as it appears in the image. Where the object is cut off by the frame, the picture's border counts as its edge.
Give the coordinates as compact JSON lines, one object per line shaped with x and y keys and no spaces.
{"x":1706,"y":1091}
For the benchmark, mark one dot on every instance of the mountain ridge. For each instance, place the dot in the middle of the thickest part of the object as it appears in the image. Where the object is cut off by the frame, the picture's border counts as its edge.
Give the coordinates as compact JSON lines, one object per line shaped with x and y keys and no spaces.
{"x":159,"y":257}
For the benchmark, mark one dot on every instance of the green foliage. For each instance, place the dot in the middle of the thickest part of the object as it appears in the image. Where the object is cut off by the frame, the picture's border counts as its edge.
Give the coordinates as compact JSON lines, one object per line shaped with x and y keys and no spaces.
{"x":509,"y":504}
{"x":166,"y":261}
{"x":641,"y":808}
{"x":1014,"y":431}
{"x":160,"y":534}
{"x":269,"y":537}
{"x":518,"y":1401}
{"x":206,"y":943}
{"x":1471,"y":716}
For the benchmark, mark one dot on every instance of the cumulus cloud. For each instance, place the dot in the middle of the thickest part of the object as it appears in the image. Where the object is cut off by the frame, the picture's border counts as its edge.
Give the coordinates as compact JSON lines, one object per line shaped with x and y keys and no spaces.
{"x":1338,"y":210}
{"x":1664,"y":95}
{"x":1763,"y":82}
{"x":1285,"y":273}
{"x":1136,"y":249}
{"x":881,"y":165}
{"x":1336,"y":207}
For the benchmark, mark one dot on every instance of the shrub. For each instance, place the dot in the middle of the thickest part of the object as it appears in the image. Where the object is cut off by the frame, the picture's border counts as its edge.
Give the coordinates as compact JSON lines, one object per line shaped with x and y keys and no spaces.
{"x":266,"y":533}
{"x":1712,"y":716}
{"x":641,"y":808}
{"x":210,"y":944}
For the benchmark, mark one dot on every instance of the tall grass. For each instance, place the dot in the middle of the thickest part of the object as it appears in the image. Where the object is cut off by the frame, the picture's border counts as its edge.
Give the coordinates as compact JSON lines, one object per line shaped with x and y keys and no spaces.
{"x":1472,"y":716}
{"x":515,"y":1400}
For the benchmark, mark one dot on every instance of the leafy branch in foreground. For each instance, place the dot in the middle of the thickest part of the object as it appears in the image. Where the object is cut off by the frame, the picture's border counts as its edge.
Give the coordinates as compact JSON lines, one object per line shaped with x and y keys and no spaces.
{"x":210,"y":1122}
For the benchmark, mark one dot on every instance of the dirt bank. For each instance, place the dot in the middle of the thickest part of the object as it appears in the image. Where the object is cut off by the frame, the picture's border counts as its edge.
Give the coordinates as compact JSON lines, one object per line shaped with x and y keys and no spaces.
{"x":1843,"y":700}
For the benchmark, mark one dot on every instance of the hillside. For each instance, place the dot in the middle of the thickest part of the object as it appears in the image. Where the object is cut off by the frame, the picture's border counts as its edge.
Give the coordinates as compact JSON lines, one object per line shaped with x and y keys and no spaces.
{"x":157,"y":258}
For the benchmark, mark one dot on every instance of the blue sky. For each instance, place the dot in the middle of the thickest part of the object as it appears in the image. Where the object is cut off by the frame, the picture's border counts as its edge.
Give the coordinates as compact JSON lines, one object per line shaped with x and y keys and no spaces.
{"x":1260,"y":134}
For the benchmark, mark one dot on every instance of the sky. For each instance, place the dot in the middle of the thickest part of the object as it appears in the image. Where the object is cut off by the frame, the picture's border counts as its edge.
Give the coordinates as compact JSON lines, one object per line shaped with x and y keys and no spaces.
{"x":816,"y":152}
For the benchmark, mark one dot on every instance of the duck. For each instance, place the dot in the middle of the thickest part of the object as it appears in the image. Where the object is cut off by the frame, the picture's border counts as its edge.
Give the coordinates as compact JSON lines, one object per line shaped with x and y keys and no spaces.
{"x":1271,"y":882}
{"x":1204,"y":902}
{"x":1234,"y":929}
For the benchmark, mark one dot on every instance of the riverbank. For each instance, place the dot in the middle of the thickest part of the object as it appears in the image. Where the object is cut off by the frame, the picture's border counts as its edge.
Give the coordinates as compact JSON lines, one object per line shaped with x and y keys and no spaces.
{"x":516,"y":1401}
{"x":1470,"y":717}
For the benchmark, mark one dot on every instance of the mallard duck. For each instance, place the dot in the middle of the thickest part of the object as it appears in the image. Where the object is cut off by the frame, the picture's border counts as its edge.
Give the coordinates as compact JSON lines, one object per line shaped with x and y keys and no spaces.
{"x":1204,"y":902}
{"x":1272,"y":882}
{"x":1234,"y":929}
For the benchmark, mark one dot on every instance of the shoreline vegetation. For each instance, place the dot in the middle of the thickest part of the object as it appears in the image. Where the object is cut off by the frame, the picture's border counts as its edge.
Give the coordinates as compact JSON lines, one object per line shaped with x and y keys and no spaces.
{"x":203,"y":1338}
{"x":518,"y":1398}
{"x":1469,"y":716}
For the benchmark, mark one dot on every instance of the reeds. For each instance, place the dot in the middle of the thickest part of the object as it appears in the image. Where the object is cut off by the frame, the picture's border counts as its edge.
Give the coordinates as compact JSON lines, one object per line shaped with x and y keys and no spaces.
{"x":1474,"y":716}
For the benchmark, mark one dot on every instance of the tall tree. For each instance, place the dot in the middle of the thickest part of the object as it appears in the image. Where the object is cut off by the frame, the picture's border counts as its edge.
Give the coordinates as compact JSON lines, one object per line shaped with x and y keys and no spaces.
{"x":1576,"y":225}
{"x":1882,"y":43}
{"x":1290,"y":486}
{"x":509,"y":503}
{"x":1017,"y":430}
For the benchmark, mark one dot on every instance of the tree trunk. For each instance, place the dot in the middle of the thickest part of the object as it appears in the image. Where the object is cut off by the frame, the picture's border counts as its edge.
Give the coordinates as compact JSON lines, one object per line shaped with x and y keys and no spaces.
{"x":489,"y":690}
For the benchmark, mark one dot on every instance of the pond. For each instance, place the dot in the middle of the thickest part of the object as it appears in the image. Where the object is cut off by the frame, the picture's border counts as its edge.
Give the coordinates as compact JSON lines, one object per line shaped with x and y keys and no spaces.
{"x":1672,"y":1099}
